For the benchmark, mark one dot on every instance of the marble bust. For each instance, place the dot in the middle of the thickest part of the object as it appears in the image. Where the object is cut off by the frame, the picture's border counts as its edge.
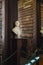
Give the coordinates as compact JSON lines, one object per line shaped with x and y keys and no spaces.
{"x":17,"y":30}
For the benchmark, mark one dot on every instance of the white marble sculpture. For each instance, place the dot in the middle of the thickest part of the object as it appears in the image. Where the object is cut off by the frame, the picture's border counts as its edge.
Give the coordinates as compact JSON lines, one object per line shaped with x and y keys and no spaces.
{"x":41,"y":31}
{"x":17,"y":30}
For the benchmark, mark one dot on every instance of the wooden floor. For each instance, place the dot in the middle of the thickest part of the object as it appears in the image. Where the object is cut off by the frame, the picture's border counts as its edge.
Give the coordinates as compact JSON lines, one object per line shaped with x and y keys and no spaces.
{"x":41,"y":60}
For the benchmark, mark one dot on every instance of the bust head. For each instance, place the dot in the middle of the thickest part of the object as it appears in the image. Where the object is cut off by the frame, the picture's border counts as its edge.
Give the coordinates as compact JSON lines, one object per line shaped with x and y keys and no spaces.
{"x":17,"y":23}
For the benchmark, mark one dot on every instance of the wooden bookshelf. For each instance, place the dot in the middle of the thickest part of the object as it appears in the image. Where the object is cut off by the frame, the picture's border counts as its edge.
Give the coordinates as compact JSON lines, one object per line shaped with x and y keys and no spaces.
{"x":0,"y":31}
{"x":41,"y":17}
{"x":27,"y":17}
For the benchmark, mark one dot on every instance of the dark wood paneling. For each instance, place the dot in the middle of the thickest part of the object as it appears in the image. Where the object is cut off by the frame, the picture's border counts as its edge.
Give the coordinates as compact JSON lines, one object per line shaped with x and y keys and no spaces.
{"x":38,"y":23}
{"x":10,"y":45}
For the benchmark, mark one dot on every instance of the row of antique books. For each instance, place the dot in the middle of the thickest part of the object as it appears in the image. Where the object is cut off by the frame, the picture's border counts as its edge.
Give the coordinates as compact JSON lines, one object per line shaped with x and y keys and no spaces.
{"x":41,"y":15}
{"x":27,"y":18}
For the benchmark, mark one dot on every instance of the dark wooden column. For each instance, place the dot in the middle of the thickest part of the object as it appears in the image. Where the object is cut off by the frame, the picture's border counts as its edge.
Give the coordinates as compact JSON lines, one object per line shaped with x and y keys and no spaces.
{"x":10,"y":45}
{"x":38,"y":28}
{"x":38,"y":22}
